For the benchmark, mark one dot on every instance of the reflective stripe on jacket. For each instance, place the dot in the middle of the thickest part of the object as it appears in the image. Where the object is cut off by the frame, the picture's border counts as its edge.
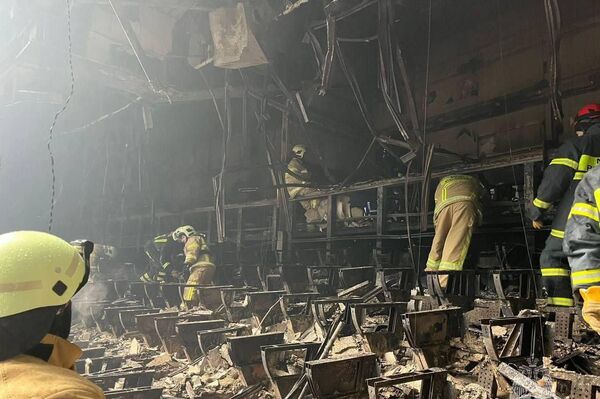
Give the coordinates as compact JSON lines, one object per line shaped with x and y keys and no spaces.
{"x":574,"y":158}
{"x":582,"y":233}
{"x":457,"y":188}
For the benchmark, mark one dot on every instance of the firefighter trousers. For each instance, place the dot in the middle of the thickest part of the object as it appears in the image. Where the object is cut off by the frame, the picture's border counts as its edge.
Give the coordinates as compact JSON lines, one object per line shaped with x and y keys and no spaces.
{"x":556,"y":274}
{"x":201,"y":273}
{"x":453,"y":232}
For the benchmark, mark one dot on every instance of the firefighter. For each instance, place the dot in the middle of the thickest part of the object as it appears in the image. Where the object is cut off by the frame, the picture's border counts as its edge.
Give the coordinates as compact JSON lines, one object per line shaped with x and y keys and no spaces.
{"x":39,"y":274}
{"x":162,"y":252}
{"x":198,"y":260}
{"x":581,"y":245}
{"x":573,"y":160}
{"x":298,"y":177}
{"x":457,"y":211}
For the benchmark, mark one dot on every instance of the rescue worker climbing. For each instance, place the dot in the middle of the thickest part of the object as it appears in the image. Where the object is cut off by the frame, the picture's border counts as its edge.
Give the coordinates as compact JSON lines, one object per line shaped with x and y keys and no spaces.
{"x":582,"y":246}
{"x":299,"y":179}
{"x":39,"y":274}
{"x":162,"y":251}
{"x":198,"y":260}
{"x":573,"y":160}
{"x":457,"y":211}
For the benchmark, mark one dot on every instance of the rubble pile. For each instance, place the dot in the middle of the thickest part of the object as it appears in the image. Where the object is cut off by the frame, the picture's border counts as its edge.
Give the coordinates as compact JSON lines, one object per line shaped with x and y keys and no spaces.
{"x":244,"y":343}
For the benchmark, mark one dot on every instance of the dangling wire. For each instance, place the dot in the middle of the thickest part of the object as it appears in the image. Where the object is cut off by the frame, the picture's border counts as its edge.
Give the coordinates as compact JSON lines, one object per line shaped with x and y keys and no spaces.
{"x":507,"y":135}
{"x":57,"y":115}
{"x":425,"y":96}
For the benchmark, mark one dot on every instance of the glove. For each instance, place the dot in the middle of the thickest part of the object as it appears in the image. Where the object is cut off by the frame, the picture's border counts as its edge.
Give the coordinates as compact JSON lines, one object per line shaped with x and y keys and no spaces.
{"x":537,"y":224}
{"x":591,"y":307}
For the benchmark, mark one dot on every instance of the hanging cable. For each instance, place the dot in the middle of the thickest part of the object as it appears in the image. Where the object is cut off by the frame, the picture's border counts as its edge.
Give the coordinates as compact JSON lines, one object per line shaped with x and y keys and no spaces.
{"x":553,"y":23}
{"x":507,"y":135}
{"x":58,"y":114}
{"x":407,"y":218}
{"x":130,"y":40}
{"x":424,"y":148}
{"x":101,"y":119}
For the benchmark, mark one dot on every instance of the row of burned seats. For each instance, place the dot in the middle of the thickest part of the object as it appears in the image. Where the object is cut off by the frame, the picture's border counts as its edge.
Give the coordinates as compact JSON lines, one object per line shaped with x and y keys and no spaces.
{"x":374,"y":302}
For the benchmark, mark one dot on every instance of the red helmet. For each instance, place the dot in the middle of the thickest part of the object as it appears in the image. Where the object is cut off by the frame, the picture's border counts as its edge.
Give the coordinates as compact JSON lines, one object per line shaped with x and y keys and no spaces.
{"x":589,"y":111}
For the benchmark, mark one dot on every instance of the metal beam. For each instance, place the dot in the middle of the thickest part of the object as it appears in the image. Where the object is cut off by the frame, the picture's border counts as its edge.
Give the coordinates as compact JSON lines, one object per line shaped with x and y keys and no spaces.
{"x":199,"y":5}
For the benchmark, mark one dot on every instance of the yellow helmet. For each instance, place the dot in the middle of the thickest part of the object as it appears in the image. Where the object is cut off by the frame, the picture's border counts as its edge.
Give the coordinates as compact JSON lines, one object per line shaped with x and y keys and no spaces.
{"x":299,"y":150}
{"x":37,"y":270}
{"x":187,"y":231}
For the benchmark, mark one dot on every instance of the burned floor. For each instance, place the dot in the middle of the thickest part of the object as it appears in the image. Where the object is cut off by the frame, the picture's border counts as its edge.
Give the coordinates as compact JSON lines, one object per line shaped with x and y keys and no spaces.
{"x":320,"y":334}
{"x":272,"y":189}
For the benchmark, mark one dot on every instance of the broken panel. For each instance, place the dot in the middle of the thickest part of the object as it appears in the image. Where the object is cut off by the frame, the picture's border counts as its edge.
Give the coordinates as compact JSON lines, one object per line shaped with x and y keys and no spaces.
{"x":188,"y":333}
{"x":397,"y":282}
{"x":432,"y":385}
{"x":522,"y":336}
{"x":145,"y":325}
{"x":429,"y":332}
{"x":379,"y":324}
{"x":460,"y":289}
{"x":245,"y":354}
{"x":295,"y":279}
{"x":284,"y":364}
{"x":341,"y":377}
{"x":129,"y":379}
{"x":568,"y":384}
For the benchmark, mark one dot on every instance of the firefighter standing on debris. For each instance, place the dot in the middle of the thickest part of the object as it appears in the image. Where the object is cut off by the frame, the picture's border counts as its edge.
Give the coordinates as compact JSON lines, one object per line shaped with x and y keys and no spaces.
{"x":39,"y":274}
{"x":198,"y":260}
{"x":560,"y":179}
{"x":582,"y":245}
{"x":457,"y":211}
{"x":299,"y":178}
{"x":162,"y":251}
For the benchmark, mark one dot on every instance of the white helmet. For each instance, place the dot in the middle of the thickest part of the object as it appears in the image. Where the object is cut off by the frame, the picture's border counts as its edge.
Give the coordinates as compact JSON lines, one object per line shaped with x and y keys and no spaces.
{"x":187,"y":231}
{"x":299,"y":150}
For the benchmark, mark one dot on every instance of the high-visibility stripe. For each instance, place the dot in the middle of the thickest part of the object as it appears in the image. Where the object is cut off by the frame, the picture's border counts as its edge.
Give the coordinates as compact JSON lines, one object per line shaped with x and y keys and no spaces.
{"x":565,"y":162}
{"x":585,"y":277}
{"x":555,"y":272}
{"x":585,"y":210}
{"x":597,"y":197}
{"x":451,"y":266}
{"x":557,"y":233}
{"x":578,"y":175}
{"x":587,"y":162}
{"x":22,"y":286}
{"x":541,"y":204}
{"x":160,"y":241}
{"x":559,"y":301}
{"x":433,"y":264}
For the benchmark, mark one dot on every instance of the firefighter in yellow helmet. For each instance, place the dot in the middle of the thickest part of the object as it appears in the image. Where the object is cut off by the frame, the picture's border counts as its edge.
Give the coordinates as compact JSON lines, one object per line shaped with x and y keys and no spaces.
{"x":299,"y":178}
{"x":39,"y":274}
{"x":198,"y":259}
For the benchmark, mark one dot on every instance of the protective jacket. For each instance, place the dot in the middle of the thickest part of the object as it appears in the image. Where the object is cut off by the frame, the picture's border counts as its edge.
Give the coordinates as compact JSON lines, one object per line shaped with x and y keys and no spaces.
{"x":196,"y":250}
{"x":573,"y":160}
{"x":162,"y":251}
{"x":582,"y":233}
{"x":297,"y":173}
{"x":30,"y":377}
{"x":457,"y":188}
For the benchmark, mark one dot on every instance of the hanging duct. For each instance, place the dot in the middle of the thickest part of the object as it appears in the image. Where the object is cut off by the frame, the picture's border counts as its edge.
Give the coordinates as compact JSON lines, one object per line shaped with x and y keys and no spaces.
{"x":235,"y":44}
